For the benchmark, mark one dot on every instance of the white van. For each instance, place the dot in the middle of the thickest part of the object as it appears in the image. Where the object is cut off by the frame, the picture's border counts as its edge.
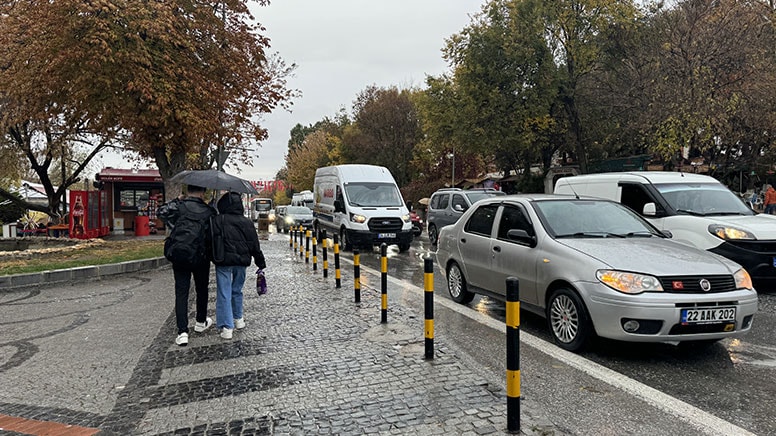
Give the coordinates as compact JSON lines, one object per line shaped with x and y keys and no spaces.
{"x":697,"y":210}
{"x":363,"y":205}
{"x":303,"y":198}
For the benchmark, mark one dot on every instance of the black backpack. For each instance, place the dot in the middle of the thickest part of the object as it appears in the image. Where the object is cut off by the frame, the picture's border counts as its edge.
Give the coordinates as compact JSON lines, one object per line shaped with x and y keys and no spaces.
{"x":185,"y":246}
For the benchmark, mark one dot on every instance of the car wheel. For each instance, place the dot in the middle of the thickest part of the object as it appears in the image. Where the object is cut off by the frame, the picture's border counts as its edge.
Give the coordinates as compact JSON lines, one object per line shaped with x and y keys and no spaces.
{"x":344,"y":241}
{"x":568,"y":320}
{"x":432,"y":234}
{"x":456,"y":285}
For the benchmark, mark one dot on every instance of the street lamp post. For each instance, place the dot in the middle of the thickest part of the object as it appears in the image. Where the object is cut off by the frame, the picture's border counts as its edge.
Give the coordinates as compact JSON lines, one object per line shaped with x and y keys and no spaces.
{"x":452,"y":179}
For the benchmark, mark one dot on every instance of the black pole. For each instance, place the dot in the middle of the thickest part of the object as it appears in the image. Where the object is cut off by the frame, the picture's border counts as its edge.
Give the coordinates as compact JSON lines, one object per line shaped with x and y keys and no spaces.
{"x":307,"y":246}
{"x":315,"y":252}
{"x":337,"y":273}
{"x":428,"y":300}
{"x":383,"y":283}
{"x":513,"y":354}
{"x":301,"y":242}
{"x":290,"y":237}
{"x":357,"y":275}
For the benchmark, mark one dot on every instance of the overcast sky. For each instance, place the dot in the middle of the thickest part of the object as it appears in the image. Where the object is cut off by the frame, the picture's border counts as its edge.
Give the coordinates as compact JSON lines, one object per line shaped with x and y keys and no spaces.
{"x":342,"y":46}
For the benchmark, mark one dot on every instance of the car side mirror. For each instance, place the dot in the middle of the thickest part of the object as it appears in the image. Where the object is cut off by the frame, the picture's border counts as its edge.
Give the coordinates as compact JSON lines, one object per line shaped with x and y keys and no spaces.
{"x":521,"y":236}
{"x":667,"y":234}
{"x":649,"y":210}
{"x":458,"y":208}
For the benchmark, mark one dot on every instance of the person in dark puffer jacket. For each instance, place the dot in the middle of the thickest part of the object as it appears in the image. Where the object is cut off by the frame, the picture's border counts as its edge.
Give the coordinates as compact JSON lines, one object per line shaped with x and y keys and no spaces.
{"x":235,"y":243}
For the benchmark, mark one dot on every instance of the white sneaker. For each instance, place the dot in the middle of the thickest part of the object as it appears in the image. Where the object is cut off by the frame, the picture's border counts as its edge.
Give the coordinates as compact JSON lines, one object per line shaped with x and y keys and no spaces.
{"x":239,"y":323}
{"x":202,"y":326}
{"x":226,"y":333}
{"x":182,"y":340}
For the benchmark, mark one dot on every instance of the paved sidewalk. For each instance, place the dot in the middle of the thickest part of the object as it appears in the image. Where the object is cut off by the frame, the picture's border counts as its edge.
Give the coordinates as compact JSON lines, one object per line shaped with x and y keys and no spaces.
{"x":310,"y":361}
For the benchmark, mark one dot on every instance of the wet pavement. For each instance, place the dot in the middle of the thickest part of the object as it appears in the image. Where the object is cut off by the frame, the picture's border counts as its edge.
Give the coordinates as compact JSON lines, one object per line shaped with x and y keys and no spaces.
{"x":98,"y":355}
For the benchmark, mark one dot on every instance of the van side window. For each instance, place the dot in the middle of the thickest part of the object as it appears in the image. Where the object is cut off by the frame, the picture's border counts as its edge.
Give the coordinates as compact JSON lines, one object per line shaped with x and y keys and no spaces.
{"x":513,"y":218}
{"x":440,"y":201}
{"x":339,"y":196}
{"x":635,"y":197}
{"x":458,"y":200}
{"x":481,"y":221}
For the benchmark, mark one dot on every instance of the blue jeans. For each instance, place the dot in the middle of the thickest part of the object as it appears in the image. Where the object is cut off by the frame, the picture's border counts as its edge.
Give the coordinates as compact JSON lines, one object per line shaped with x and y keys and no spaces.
{"x":229,"y":296}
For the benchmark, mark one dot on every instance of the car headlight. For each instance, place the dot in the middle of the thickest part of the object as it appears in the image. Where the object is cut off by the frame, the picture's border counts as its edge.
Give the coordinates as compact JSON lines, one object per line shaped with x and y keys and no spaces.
{"x":405,"y":218}
{"x":289,"y":220}
{"x":628,"y":282}
{"x":357,"y":218}
{"x":743,"y":279}
{"x":727,"y":232}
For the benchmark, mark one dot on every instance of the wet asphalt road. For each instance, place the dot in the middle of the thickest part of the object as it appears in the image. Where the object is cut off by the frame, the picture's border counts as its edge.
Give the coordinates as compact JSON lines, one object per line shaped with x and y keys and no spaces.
{"x":734,"y":379}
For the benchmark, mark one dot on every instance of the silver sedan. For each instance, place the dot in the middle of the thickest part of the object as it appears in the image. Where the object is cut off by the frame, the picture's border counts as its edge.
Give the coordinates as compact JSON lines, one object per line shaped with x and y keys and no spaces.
{"x":593,"y":267}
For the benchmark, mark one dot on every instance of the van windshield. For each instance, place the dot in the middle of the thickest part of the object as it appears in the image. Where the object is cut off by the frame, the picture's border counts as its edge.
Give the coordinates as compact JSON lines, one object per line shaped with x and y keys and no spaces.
{"x":368,"y":194}
{"x":703,"y":199}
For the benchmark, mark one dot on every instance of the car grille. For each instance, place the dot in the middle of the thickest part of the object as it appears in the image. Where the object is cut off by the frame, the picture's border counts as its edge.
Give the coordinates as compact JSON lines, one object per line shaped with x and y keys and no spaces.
{"x":383,"y":225}
{"x":692,"y":284}
{"x":764,"y":247}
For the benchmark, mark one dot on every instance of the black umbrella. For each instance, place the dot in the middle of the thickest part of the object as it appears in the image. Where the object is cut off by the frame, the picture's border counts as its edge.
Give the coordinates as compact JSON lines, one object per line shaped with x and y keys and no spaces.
{"x":214,"y":179}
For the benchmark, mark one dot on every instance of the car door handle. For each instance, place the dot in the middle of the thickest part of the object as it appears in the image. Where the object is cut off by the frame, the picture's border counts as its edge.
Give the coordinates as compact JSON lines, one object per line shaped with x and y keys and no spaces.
{"x":497,"y":249}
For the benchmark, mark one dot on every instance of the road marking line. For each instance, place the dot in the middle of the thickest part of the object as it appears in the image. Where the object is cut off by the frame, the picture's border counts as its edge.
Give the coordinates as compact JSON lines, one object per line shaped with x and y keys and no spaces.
{"x":703,"y":421}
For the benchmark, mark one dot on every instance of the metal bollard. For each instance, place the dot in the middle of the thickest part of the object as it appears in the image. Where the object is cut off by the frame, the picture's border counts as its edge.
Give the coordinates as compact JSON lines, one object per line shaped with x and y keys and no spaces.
{"x":513,"y":354}
{"x":383,"y":283}
{"x":324,"y":243}
{"x":300,"y":234}
{"x":357,"y":275}
{"x":428,"y":300}
{"x":315,"y":252}
{"x":307,"y":235}
{"x":291,"y":237}
{"x":337,"y":276}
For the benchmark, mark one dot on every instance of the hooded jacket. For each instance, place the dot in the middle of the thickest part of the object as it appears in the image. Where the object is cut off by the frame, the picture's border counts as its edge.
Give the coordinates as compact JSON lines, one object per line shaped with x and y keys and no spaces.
{"x":235,"y":240}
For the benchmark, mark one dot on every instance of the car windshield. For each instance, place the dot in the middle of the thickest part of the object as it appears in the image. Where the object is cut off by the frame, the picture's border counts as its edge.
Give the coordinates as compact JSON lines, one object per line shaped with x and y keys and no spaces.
{"x":475,"y":196}
{"x":591,"y":219}
{"x":373,"y":194}
{"x":298,"y":210}
{"x":703,"y":199}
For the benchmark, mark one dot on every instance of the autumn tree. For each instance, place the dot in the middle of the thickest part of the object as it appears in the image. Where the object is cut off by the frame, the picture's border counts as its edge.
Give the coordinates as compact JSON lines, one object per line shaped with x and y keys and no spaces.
{"x":384,"y":132}
{"x":182,"y":78}
{"x":319,"y":149}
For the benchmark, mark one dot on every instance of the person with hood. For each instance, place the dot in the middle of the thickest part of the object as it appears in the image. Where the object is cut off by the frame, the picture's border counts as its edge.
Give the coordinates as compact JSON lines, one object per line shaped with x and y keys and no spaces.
{"x":235,"y":243}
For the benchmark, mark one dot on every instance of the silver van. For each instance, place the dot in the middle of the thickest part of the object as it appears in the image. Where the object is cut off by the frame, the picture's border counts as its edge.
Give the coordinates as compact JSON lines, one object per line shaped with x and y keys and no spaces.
{"x":448,"y":204}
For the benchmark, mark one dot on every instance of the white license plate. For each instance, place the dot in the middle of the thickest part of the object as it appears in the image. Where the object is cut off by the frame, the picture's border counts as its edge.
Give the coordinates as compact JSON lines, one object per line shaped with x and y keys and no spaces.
{"x":711,"y":315}
{"x":386,"y":235}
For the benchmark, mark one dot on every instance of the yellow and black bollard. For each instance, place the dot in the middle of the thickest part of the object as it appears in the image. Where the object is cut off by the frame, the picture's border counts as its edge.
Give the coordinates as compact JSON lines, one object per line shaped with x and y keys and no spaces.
{"x":307,"y":234}
{"x":428,"y":300}
{"x":300,"y":235}
{"x":324,"y":244}
{"x":291,"y":237}
{"x":337,"y":276}
{"x":513,"y":354}
{"x":315,"y":252}
{"x":357,"y":275}
{"x":383,"y":283}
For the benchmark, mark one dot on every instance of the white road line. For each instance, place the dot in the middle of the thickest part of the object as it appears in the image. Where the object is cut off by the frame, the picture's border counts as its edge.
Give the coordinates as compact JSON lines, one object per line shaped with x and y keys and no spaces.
{"x":703,"y":421}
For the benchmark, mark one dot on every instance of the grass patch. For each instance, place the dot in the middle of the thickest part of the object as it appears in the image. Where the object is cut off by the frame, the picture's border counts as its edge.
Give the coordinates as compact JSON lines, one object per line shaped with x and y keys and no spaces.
{"x":103,"y":253}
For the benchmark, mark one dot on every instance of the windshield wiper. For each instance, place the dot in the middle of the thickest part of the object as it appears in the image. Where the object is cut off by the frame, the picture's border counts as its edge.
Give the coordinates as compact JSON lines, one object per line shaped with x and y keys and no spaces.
{"x":690,"y":212}
{"x":590,"y":235}
{"x":640,"y":234}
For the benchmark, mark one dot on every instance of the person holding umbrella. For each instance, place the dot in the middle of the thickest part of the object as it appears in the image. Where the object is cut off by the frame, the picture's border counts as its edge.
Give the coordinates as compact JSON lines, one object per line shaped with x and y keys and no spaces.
{"x":188,"y":248}
{"x":235,"y":242}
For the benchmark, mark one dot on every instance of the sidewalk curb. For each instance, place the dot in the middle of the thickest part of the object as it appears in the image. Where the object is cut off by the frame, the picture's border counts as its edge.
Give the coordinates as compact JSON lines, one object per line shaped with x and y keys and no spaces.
{"x":74,"y":274}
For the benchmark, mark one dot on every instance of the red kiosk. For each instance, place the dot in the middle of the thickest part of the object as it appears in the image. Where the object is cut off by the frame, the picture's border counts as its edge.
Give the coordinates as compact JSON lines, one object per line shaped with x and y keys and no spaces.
{"x":88,"y":214}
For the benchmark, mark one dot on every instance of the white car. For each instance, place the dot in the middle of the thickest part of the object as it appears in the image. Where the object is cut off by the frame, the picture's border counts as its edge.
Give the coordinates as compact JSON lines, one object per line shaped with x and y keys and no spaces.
{"x":593,"y":267}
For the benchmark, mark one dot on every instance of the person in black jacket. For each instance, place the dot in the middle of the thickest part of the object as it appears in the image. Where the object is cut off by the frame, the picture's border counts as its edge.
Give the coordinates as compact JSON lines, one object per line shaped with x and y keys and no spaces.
{"x":190,"y":208}
{"x":235,"y":242}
